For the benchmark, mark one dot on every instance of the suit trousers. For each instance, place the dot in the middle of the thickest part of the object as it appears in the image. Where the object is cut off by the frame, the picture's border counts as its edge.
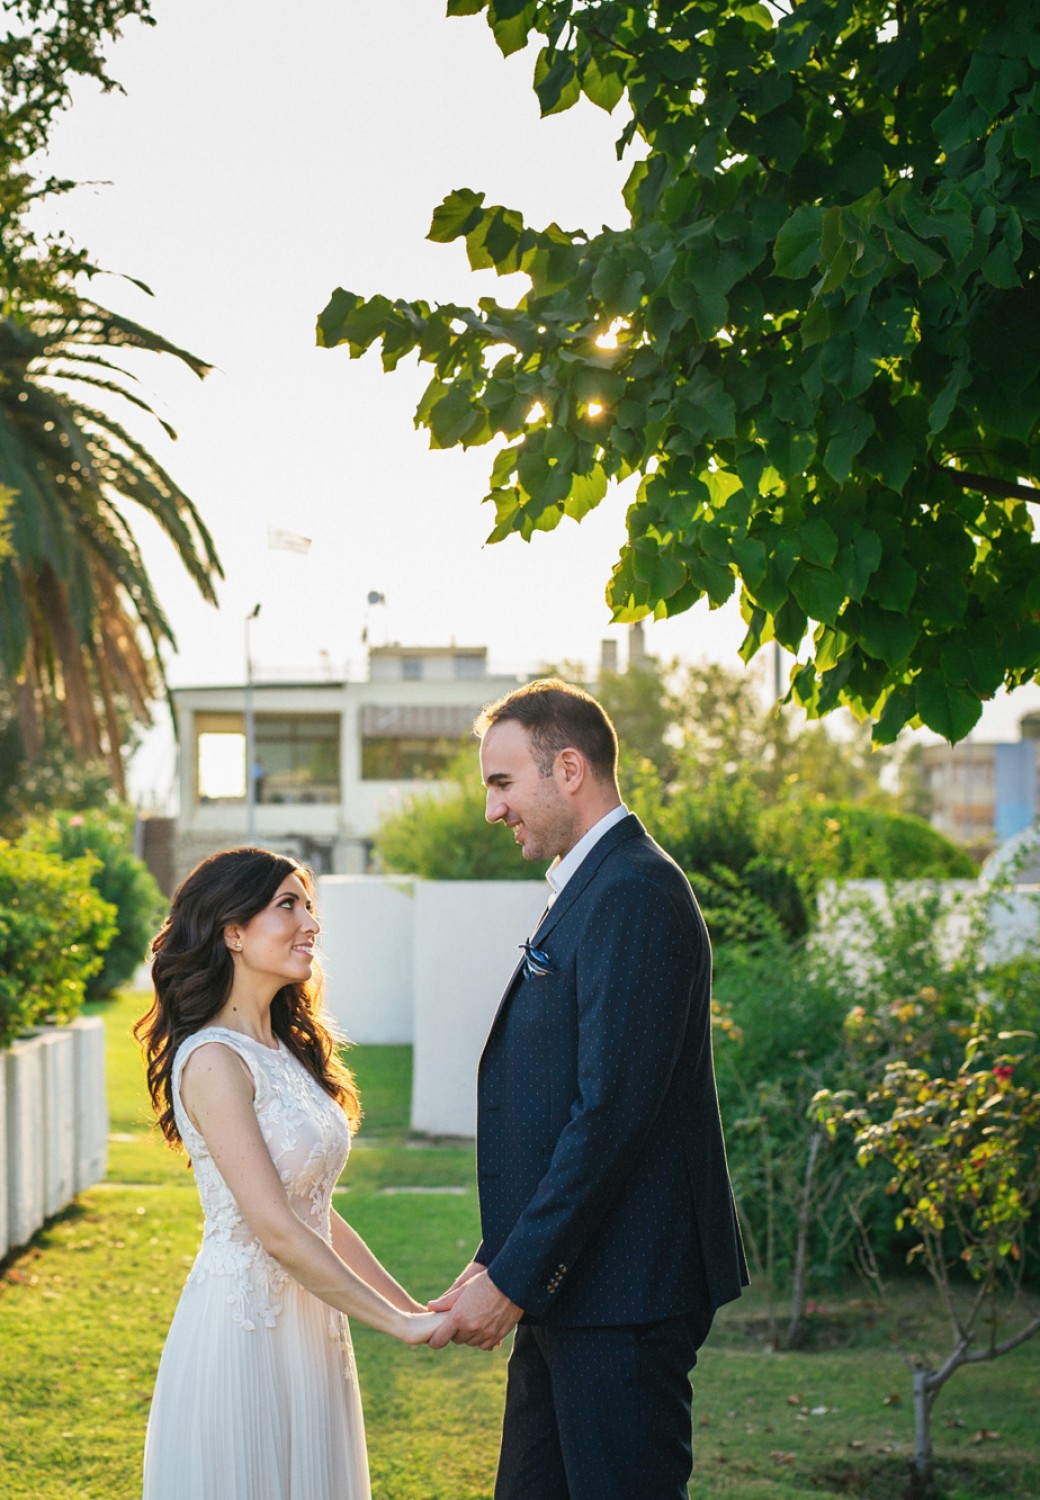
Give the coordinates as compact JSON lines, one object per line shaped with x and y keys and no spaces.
{"x":600,"y":1413}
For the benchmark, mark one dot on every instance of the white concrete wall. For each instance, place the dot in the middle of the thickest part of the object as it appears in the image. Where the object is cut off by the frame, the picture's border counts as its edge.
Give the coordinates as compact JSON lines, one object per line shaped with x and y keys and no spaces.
{"x":59,"y":1119}
{"x":25,"y":1153}
{"x":466,"y":936}
{"x":366,"y":942}
{"x":1011,"y":917}
{"x":91,"y":1101}
{"x":426,"y":961}
{"x":1013,"y":922}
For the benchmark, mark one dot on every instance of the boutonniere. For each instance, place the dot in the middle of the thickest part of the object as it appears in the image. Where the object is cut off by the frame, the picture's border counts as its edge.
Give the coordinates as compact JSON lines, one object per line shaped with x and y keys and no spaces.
{"x":536,"y":961}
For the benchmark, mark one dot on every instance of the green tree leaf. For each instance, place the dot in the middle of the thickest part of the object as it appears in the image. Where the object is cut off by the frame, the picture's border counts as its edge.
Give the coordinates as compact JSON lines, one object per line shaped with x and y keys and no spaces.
{"x":823,"y":290}
{"x":458,"y":215}
{"x":798,"y":242}
{"x":949,"y":709}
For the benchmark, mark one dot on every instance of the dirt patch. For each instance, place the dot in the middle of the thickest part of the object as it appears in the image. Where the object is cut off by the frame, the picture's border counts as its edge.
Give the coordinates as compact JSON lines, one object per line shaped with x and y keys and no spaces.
{"x":888,"y":1479}
{"x":825,"y":1329}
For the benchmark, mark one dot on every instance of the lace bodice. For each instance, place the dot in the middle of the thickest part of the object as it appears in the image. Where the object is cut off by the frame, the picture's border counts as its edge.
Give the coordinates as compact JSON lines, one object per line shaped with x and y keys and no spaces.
{"x":308,"y":1138}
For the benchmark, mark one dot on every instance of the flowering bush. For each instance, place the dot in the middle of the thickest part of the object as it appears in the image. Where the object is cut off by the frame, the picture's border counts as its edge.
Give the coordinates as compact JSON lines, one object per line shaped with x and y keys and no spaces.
{"x":962,"y":1150}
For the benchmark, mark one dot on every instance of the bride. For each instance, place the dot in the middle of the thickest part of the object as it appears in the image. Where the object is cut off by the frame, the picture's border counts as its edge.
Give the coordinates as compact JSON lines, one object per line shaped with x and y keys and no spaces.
{"x":257,"y":1396}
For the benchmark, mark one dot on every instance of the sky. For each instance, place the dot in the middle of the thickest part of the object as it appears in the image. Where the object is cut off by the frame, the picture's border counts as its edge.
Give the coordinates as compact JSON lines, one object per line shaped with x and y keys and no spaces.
{"x":262,"y":155}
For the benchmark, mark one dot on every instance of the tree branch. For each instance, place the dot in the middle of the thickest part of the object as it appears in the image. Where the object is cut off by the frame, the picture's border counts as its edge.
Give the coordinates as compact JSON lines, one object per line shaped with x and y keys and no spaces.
{"x":995,"y":1350}
{"x":988,"y":484}
{"x":608,"y":41}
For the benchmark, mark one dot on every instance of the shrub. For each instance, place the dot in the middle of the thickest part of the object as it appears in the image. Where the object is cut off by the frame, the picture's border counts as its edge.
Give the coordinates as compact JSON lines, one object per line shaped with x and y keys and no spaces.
{"x":118,"y":877}
{"x":712,"y":826}
{"x":444,"y":835}
{"x":782,"y":1038}
{"x":845,"y":841}
{"x":54,"y":929}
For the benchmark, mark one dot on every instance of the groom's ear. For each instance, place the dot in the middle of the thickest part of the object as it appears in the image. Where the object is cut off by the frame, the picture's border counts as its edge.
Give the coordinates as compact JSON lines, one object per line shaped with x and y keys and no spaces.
{"x":572,"y":766}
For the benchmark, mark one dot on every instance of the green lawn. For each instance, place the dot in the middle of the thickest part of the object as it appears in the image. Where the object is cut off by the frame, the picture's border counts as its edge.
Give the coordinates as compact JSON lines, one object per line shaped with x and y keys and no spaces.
{"x":83,"y":1313}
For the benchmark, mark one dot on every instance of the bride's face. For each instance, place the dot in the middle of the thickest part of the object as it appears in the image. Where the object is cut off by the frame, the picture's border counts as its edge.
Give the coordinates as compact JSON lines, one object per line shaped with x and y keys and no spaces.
{"x":279,"y":941}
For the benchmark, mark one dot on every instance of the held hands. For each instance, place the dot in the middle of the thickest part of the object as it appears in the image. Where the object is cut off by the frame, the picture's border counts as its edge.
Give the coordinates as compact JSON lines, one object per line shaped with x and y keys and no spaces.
{"x":476,"y":1312}
{"x":419,"y":1327}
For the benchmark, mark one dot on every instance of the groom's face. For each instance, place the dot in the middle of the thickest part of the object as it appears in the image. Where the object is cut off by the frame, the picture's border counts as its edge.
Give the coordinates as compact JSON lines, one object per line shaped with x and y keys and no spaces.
{"x":534,"y":806}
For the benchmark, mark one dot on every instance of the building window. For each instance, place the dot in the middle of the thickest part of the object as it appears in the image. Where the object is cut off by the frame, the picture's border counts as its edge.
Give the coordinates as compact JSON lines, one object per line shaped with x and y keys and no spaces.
{"x":296,"y":757}
{"x":470,"y":665}
{"x":400,"y":759}
{"x":413,"y":741}
{"x":221,"y":765}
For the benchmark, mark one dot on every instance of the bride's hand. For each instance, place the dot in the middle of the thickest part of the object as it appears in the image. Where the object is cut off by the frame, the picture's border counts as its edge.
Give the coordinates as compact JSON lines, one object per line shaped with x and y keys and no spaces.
{"x":406,"y":1303}
{"x":419,"y":1328}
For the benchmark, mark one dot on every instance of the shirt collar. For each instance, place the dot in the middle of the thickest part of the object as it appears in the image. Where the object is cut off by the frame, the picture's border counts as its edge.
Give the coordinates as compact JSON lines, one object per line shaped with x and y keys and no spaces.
{"x":561,"y":870}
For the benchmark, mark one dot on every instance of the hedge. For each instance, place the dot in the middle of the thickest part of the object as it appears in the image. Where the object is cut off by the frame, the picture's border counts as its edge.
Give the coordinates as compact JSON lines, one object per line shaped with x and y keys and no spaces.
{"x":54,"y":930}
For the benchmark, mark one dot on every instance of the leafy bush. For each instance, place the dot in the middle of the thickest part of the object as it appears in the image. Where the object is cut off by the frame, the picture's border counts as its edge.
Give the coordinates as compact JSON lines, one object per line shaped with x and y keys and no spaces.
{"x":881,"y":985}
{"x":712,"y":825}
{"x":444,"y":836}
{"x":781,"y":1038}
{"x":54,"y":929}
{"x":845,"y":841}
{"x":118,"y":877}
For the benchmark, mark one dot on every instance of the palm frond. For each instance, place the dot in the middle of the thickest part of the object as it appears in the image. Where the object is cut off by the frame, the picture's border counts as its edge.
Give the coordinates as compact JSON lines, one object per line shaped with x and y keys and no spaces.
{"x":80,"y":622}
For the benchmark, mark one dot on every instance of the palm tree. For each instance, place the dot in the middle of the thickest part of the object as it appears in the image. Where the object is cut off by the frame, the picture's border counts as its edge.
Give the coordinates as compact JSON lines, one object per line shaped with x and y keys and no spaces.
{"x":80,"y":625}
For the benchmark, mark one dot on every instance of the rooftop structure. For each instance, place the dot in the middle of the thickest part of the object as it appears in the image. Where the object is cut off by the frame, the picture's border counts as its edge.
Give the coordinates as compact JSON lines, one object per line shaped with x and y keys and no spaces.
{"x":329,"y":757}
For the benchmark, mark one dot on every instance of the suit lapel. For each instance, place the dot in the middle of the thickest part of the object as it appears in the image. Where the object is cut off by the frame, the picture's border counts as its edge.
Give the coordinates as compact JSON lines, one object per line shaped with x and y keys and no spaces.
{"x":628,"y":828}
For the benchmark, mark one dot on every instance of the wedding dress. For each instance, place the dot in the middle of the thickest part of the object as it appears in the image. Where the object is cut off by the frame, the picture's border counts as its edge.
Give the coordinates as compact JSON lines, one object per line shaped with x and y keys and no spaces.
{"x":257,"y":1395}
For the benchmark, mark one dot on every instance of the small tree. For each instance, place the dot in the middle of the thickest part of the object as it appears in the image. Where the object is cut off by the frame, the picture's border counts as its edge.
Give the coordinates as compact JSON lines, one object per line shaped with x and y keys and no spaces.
{"x":963,"y":1153}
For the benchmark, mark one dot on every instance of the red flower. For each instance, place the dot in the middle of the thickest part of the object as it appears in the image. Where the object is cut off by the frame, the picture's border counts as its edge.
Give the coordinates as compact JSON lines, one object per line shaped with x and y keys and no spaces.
{"x":1003,"y":1071}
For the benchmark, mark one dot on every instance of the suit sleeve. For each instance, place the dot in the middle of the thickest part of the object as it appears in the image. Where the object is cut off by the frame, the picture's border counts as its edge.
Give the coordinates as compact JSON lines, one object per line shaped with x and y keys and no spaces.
{"x":635,"y":964}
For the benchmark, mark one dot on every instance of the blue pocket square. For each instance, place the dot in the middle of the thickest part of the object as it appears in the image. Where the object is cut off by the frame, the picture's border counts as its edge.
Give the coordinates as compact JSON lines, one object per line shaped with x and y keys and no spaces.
{"x":536,"y":961}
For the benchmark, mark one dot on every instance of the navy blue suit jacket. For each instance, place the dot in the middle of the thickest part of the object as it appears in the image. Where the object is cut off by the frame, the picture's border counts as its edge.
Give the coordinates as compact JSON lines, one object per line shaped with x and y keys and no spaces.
{"x":604,"y":1192}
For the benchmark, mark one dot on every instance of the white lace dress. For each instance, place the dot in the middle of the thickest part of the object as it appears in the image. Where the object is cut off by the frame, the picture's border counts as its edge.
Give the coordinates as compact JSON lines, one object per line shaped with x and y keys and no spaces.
{"x":257,"y":1395}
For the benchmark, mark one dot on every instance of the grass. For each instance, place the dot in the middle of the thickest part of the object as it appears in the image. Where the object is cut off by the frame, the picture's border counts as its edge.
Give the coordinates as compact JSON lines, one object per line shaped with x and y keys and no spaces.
{"x":84,"y":1310}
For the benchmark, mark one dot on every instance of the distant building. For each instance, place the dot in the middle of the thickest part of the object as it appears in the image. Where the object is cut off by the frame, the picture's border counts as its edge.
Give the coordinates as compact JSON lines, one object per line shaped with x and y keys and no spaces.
{"x":983,"y":793}
{"x":330,"y":757}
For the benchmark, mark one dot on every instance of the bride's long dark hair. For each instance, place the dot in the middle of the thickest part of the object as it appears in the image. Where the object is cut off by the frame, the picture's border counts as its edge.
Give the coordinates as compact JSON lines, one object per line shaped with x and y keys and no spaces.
{"x":192,"y":972}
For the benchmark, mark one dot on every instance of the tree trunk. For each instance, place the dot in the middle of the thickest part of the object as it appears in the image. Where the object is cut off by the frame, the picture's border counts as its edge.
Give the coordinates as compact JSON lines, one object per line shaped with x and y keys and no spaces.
{"x":921,"y":1485}
{"x":794,"y":1326}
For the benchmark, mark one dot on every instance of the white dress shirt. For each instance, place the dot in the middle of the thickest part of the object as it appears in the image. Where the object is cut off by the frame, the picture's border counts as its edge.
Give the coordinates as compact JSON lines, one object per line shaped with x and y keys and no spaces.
{"x":561,"y":870}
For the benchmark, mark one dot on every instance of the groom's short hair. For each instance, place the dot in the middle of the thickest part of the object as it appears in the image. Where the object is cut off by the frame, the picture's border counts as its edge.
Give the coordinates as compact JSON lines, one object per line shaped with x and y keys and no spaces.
{"x":557,"y":716}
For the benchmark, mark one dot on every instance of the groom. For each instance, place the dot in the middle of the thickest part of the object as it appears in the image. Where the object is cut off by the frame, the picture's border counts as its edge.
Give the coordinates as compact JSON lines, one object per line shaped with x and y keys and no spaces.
{"x":606,"y":1211}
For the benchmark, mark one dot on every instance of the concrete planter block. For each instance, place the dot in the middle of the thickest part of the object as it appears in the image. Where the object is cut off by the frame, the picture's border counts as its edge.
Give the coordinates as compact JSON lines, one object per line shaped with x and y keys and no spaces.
{"x":366,"y":942}
{"x":466,"y":937}
{"x":4,"y":1240}
{"x":59,"y":1119}
{"x":91,"y":1104}
{"x":24,"y":1065}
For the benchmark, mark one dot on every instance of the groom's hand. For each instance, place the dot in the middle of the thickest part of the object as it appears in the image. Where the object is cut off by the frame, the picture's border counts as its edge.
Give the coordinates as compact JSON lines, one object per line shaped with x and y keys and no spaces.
{"x":448,"y":1299}
{"x":479,"y":1315}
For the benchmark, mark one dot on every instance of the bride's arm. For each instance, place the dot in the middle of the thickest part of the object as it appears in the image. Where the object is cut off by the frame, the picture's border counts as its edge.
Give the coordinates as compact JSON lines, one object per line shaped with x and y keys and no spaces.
{"x":353,"y":1251}
{"x":218,"y":1096}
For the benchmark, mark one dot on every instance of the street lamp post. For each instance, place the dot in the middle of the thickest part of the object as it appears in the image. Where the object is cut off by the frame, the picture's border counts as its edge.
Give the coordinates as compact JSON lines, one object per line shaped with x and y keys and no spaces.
{"x":250,"y":733}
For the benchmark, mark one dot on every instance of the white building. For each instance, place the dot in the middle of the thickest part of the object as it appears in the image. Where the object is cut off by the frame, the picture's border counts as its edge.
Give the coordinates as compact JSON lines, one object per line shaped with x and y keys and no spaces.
{"x":981,"y":792}
{"x":329,"y":757}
